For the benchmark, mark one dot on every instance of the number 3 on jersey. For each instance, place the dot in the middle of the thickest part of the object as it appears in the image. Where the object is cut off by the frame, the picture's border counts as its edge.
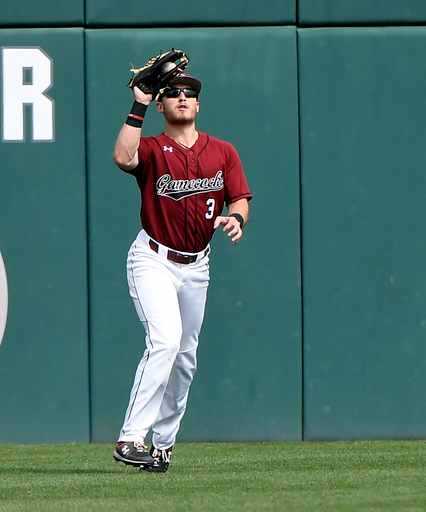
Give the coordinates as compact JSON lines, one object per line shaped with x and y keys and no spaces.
{"x":210,"y":212}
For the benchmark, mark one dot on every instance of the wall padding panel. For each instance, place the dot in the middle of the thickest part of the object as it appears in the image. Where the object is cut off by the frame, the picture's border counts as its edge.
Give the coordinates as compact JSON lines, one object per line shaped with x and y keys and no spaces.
{"x":43,"y":13}
{"x":363,"y":141}
{"x":192,"y":12}
{"x":44,"y":395}
{"x":248,"y":385}
{"x":360,"y":12}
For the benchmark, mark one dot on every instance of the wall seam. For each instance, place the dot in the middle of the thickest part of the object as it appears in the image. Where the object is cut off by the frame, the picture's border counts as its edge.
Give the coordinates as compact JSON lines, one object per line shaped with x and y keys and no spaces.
{"x":88,"y":292}
{"x":300,"y":247}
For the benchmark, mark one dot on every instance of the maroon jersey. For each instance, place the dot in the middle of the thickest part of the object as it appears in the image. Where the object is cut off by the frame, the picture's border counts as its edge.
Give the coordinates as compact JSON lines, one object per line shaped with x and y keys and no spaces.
{"x":184,"y":190}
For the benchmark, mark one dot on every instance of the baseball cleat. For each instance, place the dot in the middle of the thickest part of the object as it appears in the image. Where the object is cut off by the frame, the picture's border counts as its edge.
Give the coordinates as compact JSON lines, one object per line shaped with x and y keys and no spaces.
{"x":133,"y":454}
{"x":161,"y":461}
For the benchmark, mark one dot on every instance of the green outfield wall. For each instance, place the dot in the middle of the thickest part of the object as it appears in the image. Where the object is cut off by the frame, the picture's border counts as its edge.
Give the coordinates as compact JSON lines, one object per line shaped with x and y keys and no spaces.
{"x":316,"y":321}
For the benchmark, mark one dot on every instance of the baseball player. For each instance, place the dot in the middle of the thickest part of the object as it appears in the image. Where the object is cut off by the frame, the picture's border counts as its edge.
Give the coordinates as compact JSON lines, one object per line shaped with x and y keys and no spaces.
{"x":185,"y":178}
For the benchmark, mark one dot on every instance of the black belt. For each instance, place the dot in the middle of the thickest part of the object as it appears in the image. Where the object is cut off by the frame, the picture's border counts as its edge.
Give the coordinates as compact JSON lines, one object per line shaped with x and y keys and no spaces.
{"x":177,"y":257}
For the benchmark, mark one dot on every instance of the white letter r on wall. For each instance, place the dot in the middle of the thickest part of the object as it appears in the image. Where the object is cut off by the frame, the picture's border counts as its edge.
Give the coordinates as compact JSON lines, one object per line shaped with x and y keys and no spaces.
{"x":27,"y":75}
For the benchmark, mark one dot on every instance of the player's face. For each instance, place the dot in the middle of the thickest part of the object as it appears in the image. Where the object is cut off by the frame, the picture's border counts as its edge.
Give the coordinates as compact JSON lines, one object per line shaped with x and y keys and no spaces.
{"x":181,"y":109}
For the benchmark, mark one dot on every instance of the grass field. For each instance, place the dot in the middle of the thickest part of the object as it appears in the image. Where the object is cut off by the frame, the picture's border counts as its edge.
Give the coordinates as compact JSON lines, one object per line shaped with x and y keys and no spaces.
{"x":344,"y":476}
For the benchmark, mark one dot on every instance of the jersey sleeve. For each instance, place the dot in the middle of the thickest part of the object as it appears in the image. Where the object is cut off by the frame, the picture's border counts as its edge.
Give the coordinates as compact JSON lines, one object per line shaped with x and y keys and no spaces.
{"x":236,"y":186}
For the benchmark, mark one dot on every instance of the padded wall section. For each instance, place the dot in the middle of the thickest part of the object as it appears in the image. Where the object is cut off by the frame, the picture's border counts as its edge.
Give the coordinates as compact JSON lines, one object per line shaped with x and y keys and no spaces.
{"x":193,"y":12}
{"x":42,"y":13}
{"x":360,"y":12}
{"x":248,"y":385}
{"x":43,"y":357}
{"x":363,"y":141}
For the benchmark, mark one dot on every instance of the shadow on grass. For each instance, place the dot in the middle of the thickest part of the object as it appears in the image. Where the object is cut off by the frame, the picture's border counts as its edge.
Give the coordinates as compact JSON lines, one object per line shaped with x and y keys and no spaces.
{"x":69,"y":471}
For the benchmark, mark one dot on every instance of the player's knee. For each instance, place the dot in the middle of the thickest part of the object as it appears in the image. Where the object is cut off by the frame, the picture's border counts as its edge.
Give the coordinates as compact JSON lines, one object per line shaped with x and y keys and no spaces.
{"x":170,"y":343}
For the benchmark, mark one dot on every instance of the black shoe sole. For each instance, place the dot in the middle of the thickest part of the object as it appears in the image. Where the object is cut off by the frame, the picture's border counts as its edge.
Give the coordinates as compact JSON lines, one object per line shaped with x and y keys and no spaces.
{"x":152,"y":469}
{"x":129,"y":462}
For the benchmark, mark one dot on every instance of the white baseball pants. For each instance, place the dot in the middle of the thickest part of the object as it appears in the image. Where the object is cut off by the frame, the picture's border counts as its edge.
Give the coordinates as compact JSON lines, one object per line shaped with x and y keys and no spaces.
{"x":170,"y":301}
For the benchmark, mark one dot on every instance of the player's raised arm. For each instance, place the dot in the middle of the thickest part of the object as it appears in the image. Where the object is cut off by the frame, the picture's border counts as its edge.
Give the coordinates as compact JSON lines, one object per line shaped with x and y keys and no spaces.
{"x":146,"y":84}
{"x":127,"y":144}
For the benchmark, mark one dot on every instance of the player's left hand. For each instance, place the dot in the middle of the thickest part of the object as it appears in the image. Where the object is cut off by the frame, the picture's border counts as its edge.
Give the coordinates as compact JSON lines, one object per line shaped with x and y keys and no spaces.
{"x":230,"y":225}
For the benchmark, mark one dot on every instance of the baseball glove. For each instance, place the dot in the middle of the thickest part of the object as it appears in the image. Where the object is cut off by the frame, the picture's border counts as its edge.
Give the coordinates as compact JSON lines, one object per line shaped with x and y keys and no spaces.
{"x":158,"y":71}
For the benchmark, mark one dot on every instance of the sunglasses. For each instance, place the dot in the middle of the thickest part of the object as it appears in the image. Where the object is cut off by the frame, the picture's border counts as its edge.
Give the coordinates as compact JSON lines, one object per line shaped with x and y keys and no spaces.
{"x":175,"y":93}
